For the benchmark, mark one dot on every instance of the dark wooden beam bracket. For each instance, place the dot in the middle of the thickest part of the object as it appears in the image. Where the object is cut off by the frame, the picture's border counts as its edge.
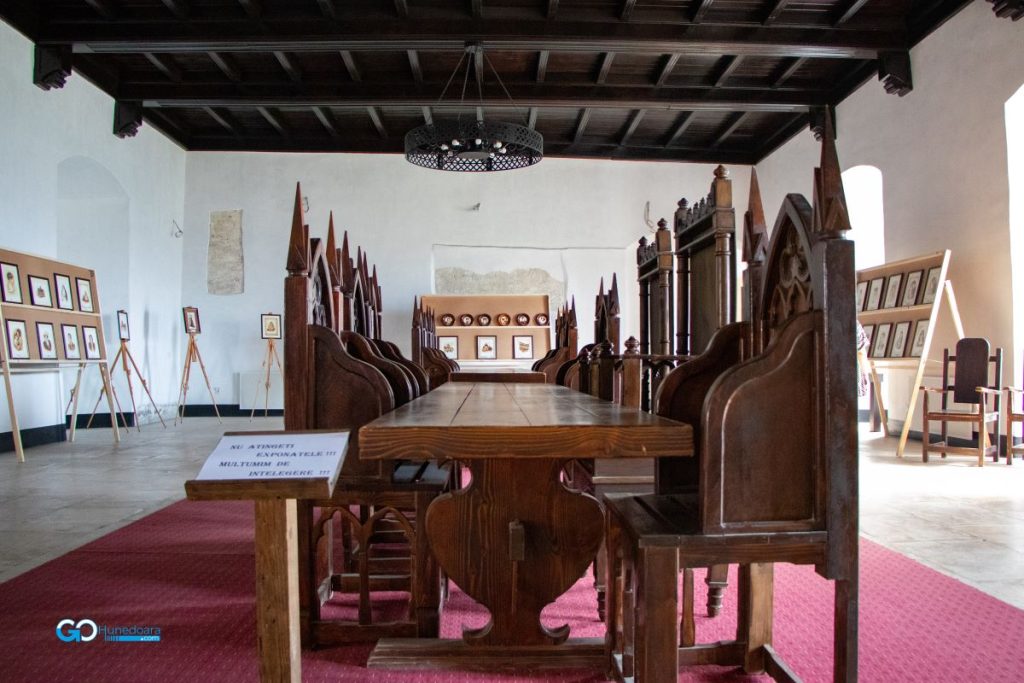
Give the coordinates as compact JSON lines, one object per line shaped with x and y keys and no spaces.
{"x":817,"y":116}
{"x":894,"y":72}
{"x":1009,"y":9}
{"x":52,"y":66}
{"x":127,"y":118}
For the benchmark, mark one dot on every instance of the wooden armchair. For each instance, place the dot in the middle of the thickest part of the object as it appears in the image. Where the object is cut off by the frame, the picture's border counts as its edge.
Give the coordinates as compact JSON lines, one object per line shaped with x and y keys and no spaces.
{"x":1013,"y":417}
{"x":976,"y":383}
{"x":340,"y":375}
{"x":777,"y":478}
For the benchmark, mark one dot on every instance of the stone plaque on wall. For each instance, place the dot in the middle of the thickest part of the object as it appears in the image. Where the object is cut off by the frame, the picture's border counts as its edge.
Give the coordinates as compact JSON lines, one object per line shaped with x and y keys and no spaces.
{"x":225,"y":268}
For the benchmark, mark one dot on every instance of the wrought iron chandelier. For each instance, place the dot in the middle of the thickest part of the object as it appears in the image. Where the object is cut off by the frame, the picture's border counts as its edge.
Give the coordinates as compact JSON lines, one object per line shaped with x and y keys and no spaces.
{"x":473,"y":145}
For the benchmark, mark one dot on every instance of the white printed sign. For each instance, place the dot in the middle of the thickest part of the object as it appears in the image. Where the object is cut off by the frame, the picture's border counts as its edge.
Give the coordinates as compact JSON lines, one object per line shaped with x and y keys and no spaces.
{"x":257,"y":457}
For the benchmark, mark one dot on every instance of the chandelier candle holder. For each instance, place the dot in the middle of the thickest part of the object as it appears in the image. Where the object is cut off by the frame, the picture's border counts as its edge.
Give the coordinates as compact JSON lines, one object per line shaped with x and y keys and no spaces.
{"x":473,"y":145}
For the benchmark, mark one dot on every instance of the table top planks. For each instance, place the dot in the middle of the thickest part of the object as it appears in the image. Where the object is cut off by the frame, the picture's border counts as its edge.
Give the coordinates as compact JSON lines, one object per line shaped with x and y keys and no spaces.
{"x":488,"y":420}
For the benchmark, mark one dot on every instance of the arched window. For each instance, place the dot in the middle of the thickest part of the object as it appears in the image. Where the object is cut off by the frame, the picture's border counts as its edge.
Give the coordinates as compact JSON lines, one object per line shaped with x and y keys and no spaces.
{"x":863,"y":187}
{"x":1014,"y":110}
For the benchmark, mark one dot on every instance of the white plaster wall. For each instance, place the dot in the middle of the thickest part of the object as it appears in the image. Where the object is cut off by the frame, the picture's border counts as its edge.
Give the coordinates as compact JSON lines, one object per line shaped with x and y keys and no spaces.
{"x":942,"y":153}
{"x":398,"y":212}
{"x":40,"y":130}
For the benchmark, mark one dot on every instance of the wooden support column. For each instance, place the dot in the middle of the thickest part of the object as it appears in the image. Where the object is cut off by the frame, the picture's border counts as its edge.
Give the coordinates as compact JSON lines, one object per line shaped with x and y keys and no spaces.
{"x":277,"y":591}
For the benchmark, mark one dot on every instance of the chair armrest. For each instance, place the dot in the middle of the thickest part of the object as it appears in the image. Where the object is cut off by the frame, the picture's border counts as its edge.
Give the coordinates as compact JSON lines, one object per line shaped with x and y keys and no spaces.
{"x":934,"y":390}
{"x":1016,"y":390}
{"x":986,"y":390}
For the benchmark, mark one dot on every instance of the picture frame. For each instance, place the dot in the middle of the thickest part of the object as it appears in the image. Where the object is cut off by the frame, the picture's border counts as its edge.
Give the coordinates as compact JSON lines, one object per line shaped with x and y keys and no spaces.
{"x":920,"y":334}
{"x":449,"y":346}
{"x":522,"y":346}
{"x":862,"y":294}
{"x":869,"y":332}
{"x":875,"y":294}
{"x":46,"y":340}
{"x":11,"y":286}
{"x":912,"y":288}
{"x":486,"y":347}
{"x":931,"y":285}
{"x":17,"y":340}
{"x":85,"y":299}
{"x":62,"y":288}
{"x":270,"y":325}
{"x":900,"y":336}
{"x":39,"y":292}
{"x":190,"y":318}
{"x":880,"y":342}
{"x":123,"y":330}
{"x":72,"y":345}
{"x":892,"y":290}
{"x":91,"y":342}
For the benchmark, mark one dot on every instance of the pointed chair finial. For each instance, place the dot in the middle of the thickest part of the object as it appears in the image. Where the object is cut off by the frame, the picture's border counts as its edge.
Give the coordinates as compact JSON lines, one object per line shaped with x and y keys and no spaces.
{"x":831,"y":216}
{"x":755,"y":229}
{"x":333,"y":257}
{"x":298,"y":244}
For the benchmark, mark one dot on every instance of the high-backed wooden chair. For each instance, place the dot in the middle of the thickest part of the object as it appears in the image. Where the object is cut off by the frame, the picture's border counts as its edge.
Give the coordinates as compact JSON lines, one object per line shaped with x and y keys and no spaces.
{"x":425,"y":352}
{"x":565,"y":347}
{"x":1013,"y":416}
{"x":778,"y":461}
{"x":976,"y":383}
{"x":338,"y":376}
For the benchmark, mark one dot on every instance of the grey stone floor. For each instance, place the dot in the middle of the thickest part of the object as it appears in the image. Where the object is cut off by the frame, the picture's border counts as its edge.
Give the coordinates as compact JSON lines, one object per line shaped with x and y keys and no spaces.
{"x":964,"y":521}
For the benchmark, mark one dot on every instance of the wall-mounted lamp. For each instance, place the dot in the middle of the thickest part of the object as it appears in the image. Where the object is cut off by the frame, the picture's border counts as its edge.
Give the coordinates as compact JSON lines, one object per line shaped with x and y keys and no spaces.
{"x":176,"y":230}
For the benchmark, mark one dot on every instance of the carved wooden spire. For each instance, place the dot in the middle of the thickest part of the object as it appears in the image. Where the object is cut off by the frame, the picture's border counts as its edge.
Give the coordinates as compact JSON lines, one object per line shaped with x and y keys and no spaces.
{"x":831,"y":217}
{"x":333,"y":266}
{"x":298,"y":244}
{"x":755,"y":229}
{"x":613,"y":296}
{"x":347,"y":276}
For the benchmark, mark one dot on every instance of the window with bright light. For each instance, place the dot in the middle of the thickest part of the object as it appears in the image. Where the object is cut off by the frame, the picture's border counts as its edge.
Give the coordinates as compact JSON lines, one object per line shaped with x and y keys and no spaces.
{"x":863,"y":187}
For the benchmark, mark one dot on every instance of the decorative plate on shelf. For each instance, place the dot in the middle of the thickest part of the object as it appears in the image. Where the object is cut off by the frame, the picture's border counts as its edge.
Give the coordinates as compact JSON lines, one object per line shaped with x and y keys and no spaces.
{"x":447,"y":319}
{"x":503,"y":319}
{"x":483,"y":320}
{"x":541,"y":318}
{"x":465,"y":319}
{"x":522,"y":319}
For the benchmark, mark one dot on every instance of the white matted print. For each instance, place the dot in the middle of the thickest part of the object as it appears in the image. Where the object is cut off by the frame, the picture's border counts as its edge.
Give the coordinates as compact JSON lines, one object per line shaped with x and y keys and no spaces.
{"x":486,"y":347}
{"x":123,"y":331}
{"x":91,"y":342}
{"x":522,"y":346}
{"x":85,"y":303}
{"x":900,"y":335}
{"x":62,"y":285}
{"x":17,"y":340}
{"x":920,"y":333}
{"x":911,"y":289}
{"x":11,"y":287}
{"x":72,"y":347}
{"x":931,"y":285}
{"x":47,"y":340}
{"x":892,"y":290}
{"x":880,"y":343}
{"x":39,"y":291}
{"x":875,"y":294}
{"x":270,"y":325}
{"x":862,"y":294}
{"x":449,"y":347}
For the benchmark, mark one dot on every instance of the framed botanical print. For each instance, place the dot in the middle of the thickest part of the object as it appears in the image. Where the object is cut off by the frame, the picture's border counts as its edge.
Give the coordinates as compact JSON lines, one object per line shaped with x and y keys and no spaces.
{"x":522,"y":346}
{"x":72,"y":347}
{"x":486,"y":347}
{"x":270,"y":325}
{"x":911,"y":289}
{"x":862,"y":294}
{"x":449,"y":347}
{"x":62,"y":286}
{"x":880,"y":343}
{"x":85,"y":303}
{"x":869,"y":332}
{"x":875,"y":294}
{"x":190,"y":316}
{"x":39,"y":291}
{"x":91,"y":342}
{"x":47,"y":340}
{"x":123,"y":332}
{"x":920,"y":333}
{"x":900,"y":335}
{"x":11,"y":286}
{"x":931,"y":285}
{"x":17,"y":340}
{"x":892,"y":290}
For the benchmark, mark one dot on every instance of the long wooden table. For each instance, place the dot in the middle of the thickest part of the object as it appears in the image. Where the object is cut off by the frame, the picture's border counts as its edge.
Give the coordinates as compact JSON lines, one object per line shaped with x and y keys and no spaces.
{"x":515,"y":538}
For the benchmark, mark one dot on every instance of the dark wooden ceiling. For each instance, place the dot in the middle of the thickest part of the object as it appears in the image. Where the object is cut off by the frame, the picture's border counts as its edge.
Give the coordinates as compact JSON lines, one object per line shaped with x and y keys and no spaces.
{"x":688,"y":80}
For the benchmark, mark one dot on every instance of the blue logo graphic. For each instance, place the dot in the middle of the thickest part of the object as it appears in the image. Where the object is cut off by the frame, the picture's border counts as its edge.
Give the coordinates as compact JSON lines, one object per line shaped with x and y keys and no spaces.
{"x":74,"y":635}
{"x":86,"y":630}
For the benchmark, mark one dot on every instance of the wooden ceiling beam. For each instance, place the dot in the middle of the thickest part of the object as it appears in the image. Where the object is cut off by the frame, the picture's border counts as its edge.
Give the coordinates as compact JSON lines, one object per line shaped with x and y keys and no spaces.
{"x":376,"y":121}
{"x":478,"y":66}
{"x":274,"y":119}
{"x":552,"y":9}
{"x":405,"y":94}
{"x":581,"y":125}
{"x":532,"y":120}
{"x":179,"y":8}
{"x":105,"y":8}
{"x":606,"y":65}
{"x":326,"y":118}
{"x":627,"y":9}
{"x":166,"y":65}
{"x":847,"y":11}
{"x":701,"y":8}
{"x":729,"y":64}
{"x":227,"y":65}
{"x":428,"y":116}
{"x":634,"y":123}
{"x":414,"y":66}
{"x":778,"y":6}
{"x":253,"y":8}
{"x":351,"y":67}
{"x":287,"y":62}
{"x":667,"y":67}
{"x":679,"y":127}
{"x":402,"y":9}
{"x":328,"y":9}
{"x":731,"y":124}
{"x":133,"y":37}
{"x":786,"y":70}
{"x":542,"y":65}
{"x":476,"y":8}
{"x":225,"y":120}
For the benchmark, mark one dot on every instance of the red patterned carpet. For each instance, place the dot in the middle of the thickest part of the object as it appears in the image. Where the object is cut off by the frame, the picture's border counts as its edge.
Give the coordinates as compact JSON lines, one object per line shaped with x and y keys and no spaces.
{"x":188,"y":569}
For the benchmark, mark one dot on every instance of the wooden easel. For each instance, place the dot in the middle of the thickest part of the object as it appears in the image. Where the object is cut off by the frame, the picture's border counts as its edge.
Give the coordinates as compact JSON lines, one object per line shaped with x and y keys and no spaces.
{"x":125,"y":355}
{"x":107,"y":389}
{"x":269,"y":360}
{"x":192,"y":354}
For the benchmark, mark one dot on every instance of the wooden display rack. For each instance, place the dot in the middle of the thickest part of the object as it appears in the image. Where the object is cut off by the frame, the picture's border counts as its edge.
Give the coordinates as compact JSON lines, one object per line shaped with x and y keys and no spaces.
{"x":913,"y":313}
{"x":492,"y":305}
{"x":73,"y":300}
